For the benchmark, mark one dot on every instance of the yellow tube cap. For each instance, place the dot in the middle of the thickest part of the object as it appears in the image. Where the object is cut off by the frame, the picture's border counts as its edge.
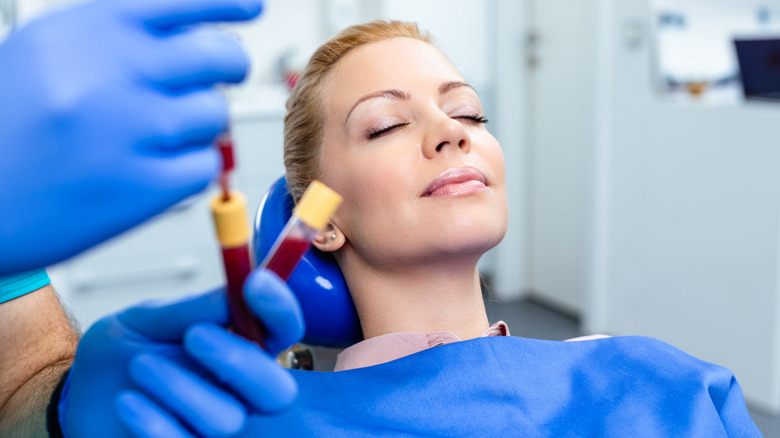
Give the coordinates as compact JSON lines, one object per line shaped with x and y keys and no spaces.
{"x":317,"y":205}
{"x":230,"y":220}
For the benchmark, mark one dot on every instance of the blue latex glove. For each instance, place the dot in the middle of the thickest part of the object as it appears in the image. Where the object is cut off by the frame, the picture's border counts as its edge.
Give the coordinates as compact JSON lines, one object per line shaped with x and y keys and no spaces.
{"x":108,"y":112}
{"x":174,"y":370}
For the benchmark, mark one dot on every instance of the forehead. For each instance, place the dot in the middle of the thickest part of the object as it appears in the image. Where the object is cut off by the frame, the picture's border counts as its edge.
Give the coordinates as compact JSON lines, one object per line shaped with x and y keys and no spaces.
{"x":397,"y":63}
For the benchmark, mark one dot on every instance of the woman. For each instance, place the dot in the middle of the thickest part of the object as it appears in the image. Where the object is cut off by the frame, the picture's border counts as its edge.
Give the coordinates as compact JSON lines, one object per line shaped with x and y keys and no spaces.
{"x":382,"y":117}
{"x":395,"y":129}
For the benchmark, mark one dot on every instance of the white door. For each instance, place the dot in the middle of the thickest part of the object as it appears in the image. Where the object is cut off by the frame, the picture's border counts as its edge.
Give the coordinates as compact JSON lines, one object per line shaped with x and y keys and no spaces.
{"x":561,"y":115}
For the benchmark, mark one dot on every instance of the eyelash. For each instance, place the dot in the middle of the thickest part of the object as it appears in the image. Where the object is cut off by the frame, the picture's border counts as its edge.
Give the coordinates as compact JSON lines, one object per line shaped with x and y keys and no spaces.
{"x":474,"y":118}
{"x":374,"y":134}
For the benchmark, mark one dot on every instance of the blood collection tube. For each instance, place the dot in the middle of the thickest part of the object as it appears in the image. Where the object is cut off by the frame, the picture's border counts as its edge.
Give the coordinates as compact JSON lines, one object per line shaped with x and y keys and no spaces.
{"x":230,"y":220}
{"x":232,"y":229}
{"x":309,"y":218}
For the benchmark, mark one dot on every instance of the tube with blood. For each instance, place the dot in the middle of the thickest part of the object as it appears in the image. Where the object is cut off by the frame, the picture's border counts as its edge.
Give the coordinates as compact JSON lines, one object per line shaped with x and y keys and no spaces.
{"x":309,"y":217}
{"x":230,"y":220}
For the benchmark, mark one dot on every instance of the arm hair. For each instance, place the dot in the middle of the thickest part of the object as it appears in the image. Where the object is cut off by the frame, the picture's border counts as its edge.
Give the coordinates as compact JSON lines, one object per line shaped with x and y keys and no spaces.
{"x":38,"y":343}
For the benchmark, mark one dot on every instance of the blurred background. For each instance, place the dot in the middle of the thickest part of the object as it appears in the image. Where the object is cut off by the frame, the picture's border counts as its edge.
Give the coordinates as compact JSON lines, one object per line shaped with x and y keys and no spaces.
{"x":643,"y":166}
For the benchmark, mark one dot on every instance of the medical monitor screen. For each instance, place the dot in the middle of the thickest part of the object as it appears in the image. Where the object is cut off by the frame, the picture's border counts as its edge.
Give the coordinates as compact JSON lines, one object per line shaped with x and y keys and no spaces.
{"x":759,"y":64}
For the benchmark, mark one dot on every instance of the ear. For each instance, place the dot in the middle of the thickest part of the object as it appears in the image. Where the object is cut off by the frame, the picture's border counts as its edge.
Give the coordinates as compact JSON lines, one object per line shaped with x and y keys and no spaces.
{"x":331,"y":239}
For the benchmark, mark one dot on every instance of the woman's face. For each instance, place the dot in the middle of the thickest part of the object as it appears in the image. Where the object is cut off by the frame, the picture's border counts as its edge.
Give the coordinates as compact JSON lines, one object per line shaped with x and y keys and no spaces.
{"x":406,"y":146}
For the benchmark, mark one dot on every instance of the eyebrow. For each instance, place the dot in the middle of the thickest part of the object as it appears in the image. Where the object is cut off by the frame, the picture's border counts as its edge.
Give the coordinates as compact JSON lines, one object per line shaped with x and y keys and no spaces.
{"x":389,"y":94}
{"x":449,"y":86}
{"x":401,"y":95}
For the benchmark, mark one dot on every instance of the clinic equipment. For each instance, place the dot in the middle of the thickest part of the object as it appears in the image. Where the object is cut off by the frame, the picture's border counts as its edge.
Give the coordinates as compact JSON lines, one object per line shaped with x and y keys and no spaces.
{"x":310,"y":216}
{"x":317,"y":281}
{"x":759,"y":68}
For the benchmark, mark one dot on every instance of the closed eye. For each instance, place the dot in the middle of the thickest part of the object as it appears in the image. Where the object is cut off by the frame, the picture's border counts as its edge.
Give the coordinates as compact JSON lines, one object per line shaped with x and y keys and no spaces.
{"x":379,"y":132}
{"x":473,"y":118}
{"x":382,"y":131}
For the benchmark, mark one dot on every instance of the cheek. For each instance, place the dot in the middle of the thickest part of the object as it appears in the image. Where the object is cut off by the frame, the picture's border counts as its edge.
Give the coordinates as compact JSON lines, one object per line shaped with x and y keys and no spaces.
{"x":497,"y":158}
{"x":372,"y":189}
{"x":494,"y":157}
{"x":491,"y":153}
{"x":500,"y":168}
{"x":361,"y":182}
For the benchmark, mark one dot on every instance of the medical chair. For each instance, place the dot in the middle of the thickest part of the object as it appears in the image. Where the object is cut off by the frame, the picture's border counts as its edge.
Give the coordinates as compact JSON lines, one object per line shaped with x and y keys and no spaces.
{"x":328,"y":311}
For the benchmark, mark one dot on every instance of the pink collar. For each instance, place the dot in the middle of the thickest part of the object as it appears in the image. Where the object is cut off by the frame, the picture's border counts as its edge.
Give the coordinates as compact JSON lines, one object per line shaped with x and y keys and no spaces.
{"x":392,"y":346}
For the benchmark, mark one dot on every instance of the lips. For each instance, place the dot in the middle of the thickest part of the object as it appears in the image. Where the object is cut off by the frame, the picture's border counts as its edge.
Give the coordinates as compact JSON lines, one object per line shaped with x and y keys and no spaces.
{"x":456,"y":181}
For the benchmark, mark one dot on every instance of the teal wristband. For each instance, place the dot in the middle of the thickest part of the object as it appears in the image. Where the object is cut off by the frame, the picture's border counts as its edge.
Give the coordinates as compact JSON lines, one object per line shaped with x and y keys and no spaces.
{"x":14,"y":286}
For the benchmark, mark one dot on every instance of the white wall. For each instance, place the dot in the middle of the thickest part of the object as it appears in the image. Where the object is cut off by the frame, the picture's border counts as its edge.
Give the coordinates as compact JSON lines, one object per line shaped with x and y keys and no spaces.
{"x":512,"y":257}
{"x":561,"y":100}
{"x":687,"y":209}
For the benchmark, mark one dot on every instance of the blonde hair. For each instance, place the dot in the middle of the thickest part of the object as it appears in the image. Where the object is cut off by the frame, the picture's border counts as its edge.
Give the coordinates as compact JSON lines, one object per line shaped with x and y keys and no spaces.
{"x":305,"y":119}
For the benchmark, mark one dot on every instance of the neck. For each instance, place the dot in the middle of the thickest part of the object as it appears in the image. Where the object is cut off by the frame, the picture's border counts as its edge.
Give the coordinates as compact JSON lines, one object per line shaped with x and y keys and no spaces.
{"x":445,"y":296}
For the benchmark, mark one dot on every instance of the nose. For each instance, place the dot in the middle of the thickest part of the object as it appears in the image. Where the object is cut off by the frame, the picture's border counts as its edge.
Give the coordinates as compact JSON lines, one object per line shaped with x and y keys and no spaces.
{"x":444,"y":135}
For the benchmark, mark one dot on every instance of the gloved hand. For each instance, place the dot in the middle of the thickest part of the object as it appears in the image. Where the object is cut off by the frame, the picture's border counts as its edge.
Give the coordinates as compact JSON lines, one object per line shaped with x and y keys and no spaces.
{"x":173,"y":370}
{"x":108,"y":112}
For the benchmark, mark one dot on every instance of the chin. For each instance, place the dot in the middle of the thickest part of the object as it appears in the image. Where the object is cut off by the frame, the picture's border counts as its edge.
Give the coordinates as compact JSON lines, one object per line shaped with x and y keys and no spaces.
{"x":488,"y":240}
{"x":439,"y":244}
{"x":473,"y":240}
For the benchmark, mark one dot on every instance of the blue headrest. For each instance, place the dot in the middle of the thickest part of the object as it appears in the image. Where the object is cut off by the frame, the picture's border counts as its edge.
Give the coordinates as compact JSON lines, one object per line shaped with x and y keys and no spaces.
{"x":328,"y":310}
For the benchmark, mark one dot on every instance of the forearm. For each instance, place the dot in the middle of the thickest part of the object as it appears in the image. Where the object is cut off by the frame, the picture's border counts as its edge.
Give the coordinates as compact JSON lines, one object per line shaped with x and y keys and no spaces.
{"x":24,"y":414}
{"x":39,"y":344}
